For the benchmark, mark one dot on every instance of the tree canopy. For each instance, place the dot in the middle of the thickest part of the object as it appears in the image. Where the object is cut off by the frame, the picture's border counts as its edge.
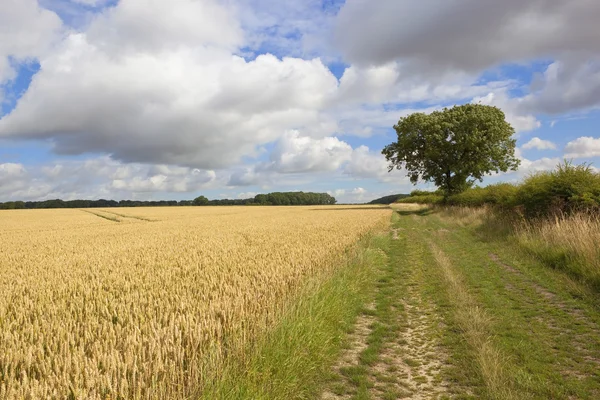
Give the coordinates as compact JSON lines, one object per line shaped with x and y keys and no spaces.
{"x":454,"y":147}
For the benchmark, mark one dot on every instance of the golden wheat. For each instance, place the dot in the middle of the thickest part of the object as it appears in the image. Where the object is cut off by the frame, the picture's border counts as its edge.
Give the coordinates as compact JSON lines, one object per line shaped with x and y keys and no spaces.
{"x":149,"y":303}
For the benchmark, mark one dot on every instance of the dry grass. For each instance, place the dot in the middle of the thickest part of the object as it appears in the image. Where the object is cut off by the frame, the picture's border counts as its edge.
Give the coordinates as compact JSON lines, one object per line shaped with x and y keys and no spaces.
{"x":94,"y":309}
{"x":409,"y":206}
{"x":571,"y":241}
{"x":465,"y":216}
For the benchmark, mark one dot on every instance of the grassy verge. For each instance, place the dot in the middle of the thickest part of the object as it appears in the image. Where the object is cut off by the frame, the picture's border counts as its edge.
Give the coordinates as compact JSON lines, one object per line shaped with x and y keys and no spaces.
{"x":294,"y":360}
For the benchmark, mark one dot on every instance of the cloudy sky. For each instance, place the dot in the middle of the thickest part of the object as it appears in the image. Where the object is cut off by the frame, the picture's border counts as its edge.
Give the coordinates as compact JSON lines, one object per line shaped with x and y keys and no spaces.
{"x":156,"y":99}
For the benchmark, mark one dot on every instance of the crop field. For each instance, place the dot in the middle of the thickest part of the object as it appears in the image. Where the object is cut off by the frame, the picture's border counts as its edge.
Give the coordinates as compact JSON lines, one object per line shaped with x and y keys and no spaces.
{"x":150,"y":302}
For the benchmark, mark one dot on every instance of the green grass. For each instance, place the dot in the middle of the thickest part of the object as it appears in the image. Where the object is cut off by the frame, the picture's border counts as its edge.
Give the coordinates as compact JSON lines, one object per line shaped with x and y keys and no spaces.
{"x":504,"y":325}
{"x":295,"y":359}
{"x":545,"y":330}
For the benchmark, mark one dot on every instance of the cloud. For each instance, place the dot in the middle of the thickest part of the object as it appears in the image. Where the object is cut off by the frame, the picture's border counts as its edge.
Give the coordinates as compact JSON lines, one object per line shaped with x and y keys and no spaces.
{"x":539,"y":144}
{"x":248,"y":177}
{"x":306,"y":24}
{"x":522,"y":122}
{"x":365,"y":164}
{"x":100,"y":177}
{"x":394,"y":83}
{"x":199,"y":107}
{"x":582,"y":147}
{"x":566,"y":85}
{"x":26,"y":32}
{"x":296,"y":154}
{"x":356,"y":195}
{"x":467,"y":35}
{"x":156,"y":25}
{"x":531,"y":166}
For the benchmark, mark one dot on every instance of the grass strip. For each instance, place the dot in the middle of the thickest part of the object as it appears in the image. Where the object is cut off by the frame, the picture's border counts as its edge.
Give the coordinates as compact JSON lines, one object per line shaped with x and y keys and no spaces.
{"x":294,"y":360}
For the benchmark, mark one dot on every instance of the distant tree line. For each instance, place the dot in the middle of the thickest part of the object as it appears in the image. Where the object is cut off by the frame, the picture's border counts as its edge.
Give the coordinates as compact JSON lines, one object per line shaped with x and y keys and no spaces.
{"x":274,"y":199}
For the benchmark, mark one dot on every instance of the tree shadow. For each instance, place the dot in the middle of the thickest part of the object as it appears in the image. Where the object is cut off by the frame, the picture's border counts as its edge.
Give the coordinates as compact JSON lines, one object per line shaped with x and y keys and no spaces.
{"x":423,"y":212}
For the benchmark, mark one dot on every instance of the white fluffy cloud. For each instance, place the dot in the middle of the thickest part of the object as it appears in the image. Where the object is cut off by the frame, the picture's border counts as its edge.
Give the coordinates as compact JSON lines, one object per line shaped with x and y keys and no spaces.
{"x":157,"y":25}
{"x":97,"y":178}
{"x":539,"y":144}
{"x":366,"y":164}
{"x":585,"y":146}
{"x":356,"y":195}
{"x":296,"y":154}
{"x":26,"y":32}
{"x":514,"y":114}
{"x":199,"y":107}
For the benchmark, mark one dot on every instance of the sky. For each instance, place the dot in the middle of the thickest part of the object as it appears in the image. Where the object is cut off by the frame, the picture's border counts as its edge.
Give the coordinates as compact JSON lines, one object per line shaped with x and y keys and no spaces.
{"x":155,"y":99}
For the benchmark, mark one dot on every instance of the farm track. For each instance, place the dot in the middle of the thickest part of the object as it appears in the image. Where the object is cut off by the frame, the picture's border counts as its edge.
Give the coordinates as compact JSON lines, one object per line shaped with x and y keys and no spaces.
{"x":469,"y":318}
{"x":118,"y":216}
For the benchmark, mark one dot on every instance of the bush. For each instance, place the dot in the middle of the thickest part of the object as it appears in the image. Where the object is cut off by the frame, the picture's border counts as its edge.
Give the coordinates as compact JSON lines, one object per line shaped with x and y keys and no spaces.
{"x":567,"y":189}
{"x":429,"y":198}
{"x":501,"y":195}
{"x":417,"y":192}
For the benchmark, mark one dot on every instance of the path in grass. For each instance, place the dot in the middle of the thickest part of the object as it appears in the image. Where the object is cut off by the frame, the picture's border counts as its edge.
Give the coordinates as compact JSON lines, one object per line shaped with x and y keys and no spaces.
{"x":459,"y":316}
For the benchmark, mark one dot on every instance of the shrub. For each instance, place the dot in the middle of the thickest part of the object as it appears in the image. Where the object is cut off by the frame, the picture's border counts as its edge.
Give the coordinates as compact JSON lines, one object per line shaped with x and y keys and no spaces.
{"x":567,"y":189}
{"x":429,"y":198}
{"x":500,"y":195}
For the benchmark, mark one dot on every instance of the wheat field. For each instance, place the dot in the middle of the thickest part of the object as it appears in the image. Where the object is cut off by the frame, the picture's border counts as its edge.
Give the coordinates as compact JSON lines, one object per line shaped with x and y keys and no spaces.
{"x":150,"y":302}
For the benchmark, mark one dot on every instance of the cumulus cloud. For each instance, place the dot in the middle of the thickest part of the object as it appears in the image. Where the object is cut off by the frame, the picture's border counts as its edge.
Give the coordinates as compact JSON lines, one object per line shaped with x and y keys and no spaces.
{"x":530,"y":166}
{"x":437,"y":38}
{"x":366,"y":164}
{"x":394,"y":83}
{"x":566,"y":85}
{"x":168,"y":90}
{"x":539,"y":144}
{"x":183,"y":109}
{"x":522,"y":122}
{"x":356,"y":195}
{"x":99,"y":177}
{"x":582,"y":147}
{"x":296,"y":154}
{"x":468,"y":35}
{"x":26,"y":32}
{"x":156,"y":25}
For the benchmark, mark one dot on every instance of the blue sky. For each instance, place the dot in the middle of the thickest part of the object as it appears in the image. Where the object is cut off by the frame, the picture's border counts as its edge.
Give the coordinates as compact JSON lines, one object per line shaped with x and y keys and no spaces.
{"x":135,"y":99}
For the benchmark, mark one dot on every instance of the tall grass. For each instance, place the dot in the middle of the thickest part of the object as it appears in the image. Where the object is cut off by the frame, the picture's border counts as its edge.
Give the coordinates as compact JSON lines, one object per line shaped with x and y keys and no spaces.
{"x":570,"y":242}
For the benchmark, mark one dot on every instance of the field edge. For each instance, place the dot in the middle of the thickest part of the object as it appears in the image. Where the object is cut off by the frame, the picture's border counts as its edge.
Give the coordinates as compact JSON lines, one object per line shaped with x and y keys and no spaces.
{"x":294,"y":360}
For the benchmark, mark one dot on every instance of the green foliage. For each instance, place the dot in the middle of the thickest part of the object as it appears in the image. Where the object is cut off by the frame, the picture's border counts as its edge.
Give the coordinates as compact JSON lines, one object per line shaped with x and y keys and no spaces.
{"x":430,"y":198}
{"x":388,"y":199}
{"x":277,"y":198}
{"x":417,"y":192}
{"x":200,"y":201}
{"x":500,"y":194}
{"x":567,"y":189}
{"x":454,"y":147}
